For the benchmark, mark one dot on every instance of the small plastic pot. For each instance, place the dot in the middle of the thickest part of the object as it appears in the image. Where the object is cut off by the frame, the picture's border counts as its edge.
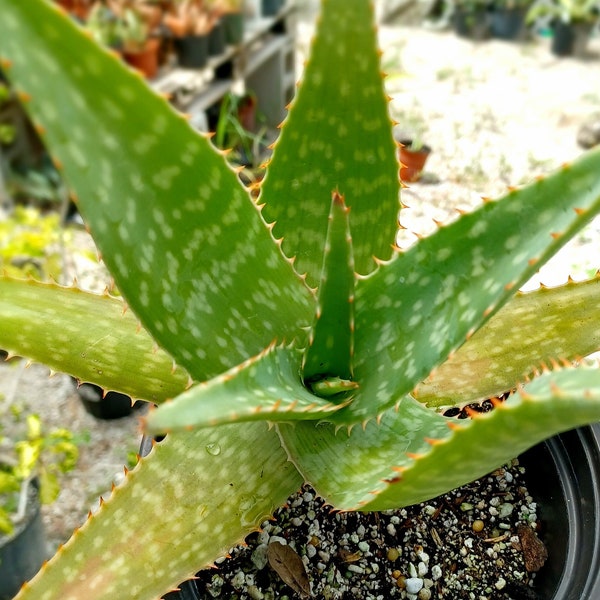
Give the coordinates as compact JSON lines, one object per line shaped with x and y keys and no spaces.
{"x":192,"y":51}
{"x":112,"y":405}
{"x":22,"y":556}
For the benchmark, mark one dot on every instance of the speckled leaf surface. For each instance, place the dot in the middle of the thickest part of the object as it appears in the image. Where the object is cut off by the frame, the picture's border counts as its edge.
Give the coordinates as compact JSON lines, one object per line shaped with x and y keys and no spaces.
{"x":337,"y":136}
{"x":415,"y":454}
{"x":188,"y":502}
{"x":423,"y":304}
{"x":331,"y":343}
{"x":91,"y":337}
{"x":266,"y":387}
{"x":528,"y":332}
{"x":182,"y":238}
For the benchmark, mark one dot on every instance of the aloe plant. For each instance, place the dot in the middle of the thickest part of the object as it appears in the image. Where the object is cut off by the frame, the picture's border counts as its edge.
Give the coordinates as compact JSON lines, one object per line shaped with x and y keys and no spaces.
{"x":307,"y":346}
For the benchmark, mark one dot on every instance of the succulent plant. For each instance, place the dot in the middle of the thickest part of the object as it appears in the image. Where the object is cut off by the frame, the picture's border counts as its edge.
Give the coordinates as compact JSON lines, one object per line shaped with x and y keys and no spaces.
{"x":308,"y":347}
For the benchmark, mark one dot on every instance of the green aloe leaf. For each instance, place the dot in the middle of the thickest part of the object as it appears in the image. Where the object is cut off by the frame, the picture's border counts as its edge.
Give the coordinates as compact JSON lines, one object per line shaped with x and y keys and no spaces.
{"x":182,"y":238}
{"x":415,"y":454}
{"x":341,"y":100}
{"x":331,"y":343}
{"x":424,"y":303}
{"x":91,"y":337}
{"x":529,"y":331}
{"x":266,"y":387}
{"x":190,"y":500}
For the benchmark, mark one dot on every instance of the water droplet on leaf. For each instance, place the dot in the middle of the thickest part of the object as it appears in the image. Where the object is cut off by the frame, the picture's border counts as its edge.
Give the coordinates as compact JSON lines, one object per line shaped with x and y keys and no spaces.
{"x":213,"y":449}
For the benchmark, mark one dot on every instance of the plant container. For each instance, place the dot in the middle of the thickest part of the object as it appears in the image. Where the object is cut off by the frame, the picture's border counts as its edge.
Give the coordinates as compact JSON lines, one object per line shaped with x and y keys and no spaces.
{"x":109,"y":406}
{"x":563,"y":475}
{"x":22,"y":554}
{"x":507,"y":23}
{"x":233,"y":24}
{"x":145,"y":60}
{"x":192,"y":51}
{"x":412,"y":161}
{"x":271,"y":7}
{"x":216,"y":39}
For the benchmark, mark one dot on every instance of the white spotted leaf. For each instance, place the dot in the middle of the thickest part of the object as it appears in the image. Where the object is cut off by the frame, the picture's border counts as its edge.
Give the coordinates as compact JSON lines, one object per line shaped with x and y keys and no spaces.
{"x":93,"y":338}
{"x":341,"y":100}
{"x":179,"y":233}
{"x":268,"y":386}
{"x":527,"y":333}
{"x":415,"y":454}
{"x":422,"y":305}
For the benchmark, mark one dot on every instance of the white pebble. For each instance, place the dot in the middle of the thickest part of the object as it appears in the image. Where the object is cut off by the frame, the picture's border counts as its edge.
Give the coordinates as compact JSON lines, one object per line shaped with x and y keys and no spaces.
{"x":414,"y":585}
{"x":500,"y":584}
{"x":436,"y":572}
{"x":422,"y":569}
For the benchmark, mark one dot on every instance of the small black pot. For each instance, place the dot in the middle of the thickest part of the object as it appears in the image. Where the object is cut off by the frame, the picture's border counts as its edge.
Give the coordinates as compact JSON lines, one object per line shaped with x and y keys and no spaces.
{"x":112,"y":405}
{"x":22,"y":555}
{"x":563,"y":475}
{"x":216,"y":40}
{"x":192,"y":51}
{"x":507,"y":23}
{"x":563,"y":39}
{"x":271,"y":7}
{"x":233,"y":24}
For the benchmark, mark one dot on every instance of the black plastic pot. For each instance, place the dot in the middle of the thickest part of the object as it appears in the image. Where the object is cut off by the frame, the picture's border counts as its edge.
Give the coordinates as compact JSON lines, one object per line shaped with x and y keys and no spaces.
{"x":112,"y":405}
{"x":271,"y":7}
{"x":563,"y":475}
{"x":22,"y":555}
{"x":563,"y":39}
{"x":507,"y":23}
{"x":192,"y":51}
{"x":233,"y":24}
{"x":216,"y":40}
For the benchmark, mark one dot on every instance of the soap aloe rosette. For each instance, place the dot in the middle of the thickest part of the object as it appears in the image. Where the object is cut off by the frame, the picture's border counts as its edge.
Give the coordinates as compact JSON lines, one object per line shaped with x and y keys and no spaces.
{"x":307,"y":346}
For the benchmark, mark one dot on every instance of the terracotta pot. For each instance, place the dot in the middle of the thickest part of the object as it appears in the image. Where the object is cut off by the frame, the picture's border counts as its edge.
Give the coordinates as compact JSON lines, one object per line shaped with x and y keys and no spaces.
{"x":78,"y":8}
{"x":146,"y":60}
{"x":412,"y":162}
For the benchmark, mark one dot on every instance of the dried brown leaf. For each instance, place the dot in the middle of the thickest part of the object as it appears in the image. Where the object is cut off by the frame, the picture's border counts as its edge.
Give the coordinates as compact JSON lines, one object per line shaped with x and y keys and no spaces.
{"x":289,"y":566}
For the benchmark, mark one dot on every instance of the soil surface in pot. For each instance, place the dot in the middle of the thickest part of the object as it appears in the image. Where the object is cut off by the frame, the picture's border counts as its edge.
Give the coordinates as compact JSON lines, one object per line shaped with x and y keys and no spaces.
{"x":466,"y":544}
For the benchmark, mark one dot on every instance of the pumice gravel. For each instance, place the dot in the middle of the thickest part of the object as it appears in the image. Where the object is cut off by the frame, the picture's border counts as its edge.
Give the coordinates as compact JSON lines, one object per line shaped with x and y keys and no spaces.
{"x":466,"y":544}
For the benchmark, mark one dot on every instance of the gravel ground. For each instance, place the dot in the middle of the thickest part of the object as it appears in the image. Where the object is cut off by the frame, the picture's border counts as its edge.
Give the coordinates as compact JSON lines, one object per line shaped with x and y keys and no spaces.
{"x":496,"y":113}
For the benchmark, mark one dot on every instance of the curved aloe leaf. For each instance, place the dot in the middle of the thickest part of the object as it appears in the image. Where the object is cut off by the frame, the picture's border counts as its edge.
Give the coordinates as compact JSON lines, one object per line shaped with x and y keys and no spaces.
{"x":341,"y":100}
{"x":423,"y":304}
{"x":91,"y":337}
{"x":415,"y":454}
{"x":182,"y":238}
{"x":265,"y":387}
{"x":532,"y":329}
{"x":205,"y":489}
